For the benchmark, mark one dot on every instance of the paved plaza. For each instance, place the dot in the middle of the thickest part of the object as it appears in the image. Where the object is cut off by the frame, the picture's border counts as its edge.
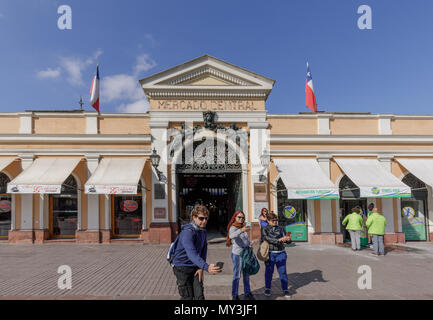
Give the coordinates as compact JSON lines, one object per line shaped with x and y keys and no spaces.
{"x":140,"y":271}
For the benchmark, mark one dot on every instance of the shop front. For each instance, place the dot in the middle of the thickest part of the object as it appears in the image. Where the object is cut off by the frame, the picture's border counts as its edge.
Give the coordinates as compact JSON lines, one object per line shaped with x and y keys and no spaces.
{"x":208,"y":138}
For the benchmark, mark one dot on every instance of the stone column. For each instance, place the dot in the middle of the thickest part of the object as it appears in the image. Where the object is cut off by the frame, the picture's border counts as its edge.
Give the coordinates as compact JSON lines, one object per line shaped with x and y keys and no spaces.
{"x":92,"y":233}
{"x":258,"y":145}
{"x":25,"y":233}
{"x":160,"y":229}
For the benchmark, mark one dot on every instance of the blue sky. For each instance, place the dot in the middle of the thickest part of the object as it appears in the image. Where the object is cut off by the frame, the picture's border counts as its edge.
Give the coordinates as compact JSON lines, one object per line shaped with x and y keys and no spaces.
{"x":388,"y":69}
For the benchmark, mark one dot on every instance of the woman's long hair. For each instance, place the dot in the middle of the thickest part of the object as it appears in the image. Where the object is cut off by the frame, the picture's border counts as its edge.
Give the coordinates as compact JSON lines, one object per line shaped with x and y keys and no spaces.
{"x":232,"y":220}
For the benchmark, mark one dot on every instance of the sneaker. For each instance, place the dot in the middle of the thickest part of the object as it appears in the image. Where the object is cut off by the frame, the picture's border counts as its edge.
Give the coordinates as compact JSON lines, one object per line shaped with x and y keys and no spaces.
{"x":236,"y":298}
{"x":374,"y":254}
{"x":287,"y":294}
{"x":268,"y":292}
{"x":249,"y":296}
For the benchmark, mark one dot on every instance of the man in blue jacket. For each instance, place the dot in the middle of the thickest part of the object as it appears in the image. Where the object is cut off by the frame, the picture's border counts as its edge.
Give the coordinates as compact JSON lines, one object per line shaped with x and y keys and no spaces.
{"x":189,"y":258}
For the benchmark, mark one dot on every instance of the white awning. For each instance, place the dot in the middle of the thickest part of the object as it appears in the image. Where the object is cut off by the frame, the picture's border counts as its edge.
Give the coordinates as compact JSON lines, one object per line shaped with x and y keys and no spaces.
{"x":420,"y":168}
{"x":372,"y":179}
{"x":116,"y":176}
{"x":45,"y":175}
{"x":4,"y":162}
{"x":304,"y":179}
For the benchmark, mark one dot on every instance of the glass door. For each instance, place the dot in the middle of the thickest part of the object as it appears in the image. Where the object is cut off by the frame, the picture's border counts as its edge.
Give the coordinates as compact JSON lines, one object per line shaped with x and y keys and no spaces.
{"x":5,"y":215}
{"x":413,"y":219}
{"x":127,"y":216}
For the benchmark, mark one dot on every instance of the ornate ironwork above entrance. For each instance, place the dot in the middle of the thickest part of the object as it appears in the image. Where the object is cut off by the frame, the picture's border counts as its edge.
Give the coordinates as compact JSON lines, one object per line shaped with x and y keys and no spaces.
{"x":214,"y":166}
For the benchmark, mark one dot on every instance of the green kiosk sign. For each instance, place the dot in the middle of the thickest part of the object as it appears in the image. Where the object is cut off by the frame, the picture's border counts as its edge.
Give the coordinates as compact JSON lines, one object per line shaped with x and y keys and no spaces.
{"x":297,"y":229}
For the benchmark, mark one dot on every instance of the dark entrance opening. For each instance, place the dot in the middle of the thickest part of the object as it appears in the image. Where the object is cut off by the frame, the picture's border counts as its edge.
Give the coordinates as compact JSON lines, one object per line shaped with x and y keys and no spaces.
{"x":349,"y":199}
{"x":220,"y":193}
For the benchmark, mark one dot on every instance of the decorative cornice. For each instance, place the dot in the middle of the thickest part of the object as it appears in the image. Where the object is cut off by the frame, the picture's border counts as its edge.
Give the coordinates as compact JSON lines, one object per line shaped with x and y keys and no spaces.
{"x":199,"y":93}
{"x":372,"y":139}
{"x":207,"y":70}
{"x":78,"y":138}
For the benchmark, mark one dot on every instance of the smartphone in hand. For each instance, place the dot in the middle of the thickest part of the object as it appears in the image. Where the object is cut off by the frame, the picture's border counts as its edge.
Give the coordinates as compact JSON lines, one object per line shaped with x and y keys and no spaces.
{"x":220,"y":264}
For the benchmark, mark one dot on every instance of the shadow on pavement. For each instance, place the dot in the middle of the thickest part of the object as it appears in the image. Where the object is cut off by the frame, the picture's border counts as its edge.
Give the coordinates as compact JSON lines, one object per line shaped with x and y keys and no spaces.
{"x":296,"y":281}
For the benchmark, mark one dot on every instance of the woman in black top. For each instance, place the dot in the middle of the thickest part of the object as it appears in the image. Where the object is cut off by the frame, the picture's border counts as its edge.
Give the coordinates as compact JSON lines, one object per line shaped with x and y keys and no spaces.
{"x":276,"y":237}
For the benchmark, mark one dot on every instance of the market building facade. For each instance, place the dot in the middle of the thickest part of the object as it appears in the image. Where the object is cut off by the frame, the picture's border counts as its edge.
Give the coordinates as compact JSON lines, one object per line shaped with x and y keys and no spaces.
{"x":85,"y":177}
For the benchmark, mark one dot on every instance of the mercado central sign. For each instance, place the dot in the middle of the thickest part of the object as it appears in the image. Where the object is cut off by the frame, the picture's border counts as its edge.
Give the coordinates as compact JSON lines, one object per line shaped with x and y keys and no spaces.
{"x":202,"y":105}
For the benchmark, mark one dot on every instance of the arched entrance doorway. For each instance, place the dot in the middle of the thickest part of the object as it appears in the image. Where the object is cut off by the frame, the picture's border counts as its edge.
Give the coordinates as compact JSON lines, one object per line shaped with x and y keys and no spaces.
{"x":350,"y":197}
{"x":64,"y":210}
{"x":217,"y":185}
{"x":5,"y":207}
{"x":414,"y":210}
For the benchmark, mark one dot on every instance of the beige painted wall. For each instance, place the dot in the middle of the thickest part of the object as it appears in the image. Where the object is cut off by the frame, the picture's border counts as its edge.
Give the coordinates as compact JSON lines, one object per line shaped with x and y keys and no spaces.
{"x":110,"y":125}
{"x":9,"y":125}
{"x":58,"y":125}
{"x":147,"y":176}
{"x":412,"y":126}
{"x":292,"y":126}
{"x":354,"y":126}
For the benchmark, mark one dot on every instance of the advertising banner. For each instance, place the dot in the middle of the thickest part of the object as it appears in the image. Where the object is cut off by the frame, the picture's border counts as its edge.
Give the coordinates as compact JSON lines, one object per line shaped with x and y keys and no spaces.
{"x":110,"y":189}
{"x":385,"y":192}
{"x":34,"y":188}
{"x":312,"y":194}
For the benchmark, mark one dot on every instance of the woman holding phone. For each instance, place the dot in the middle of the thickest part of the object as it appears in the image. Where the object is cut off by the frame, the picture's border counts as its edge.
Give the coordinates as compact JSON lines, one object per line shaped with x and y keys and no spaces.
{"x":237,"y":237}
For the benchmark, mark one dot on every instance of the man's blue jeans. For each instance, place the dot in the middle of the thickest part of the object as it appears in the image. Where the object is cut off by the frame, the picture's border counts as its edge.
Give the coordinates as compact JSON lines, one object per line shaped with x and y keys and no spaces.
{"x":237,"y":269}
{"x":278,"y":259}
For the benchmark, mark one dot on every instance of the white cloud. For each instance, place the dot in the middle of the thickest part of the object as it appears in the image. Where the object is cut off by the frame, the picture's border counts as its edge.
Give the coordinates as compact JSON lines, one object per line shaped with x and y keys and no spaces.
{"x":49,"y":73}
{"x":127,"y":88}
{"x":120,"y":86}
{"x":143,"y":64}
{"x":73,"y":67}
{"x":135,"y":107}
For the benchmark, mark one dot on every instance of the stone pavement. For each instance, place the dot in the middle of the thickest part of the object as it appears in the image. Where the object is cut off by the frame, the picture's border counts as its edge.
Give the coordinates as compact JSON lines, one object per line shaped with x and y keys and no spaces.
{"x":140,"y":271}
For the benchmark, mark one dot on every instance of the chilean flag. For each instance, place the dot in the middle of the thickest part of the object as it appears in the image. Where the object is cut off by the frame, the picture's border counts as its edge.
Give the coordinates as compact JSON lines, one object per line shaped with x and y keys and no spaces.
{"x":310,"y":98}
{"x":94,"y":91}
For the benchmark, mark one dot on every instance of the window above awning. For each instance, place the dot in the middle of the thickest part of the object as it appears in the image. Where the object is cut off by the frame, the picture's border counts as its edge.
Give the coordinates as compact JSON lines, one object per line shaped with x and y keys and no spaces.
{"x":304,"y":179}
{"x":420,"y":168}
{"x":44,"y":175}
{"x":116,"y":176}
{"x":372,"y":179}
{"x":4,"y":162}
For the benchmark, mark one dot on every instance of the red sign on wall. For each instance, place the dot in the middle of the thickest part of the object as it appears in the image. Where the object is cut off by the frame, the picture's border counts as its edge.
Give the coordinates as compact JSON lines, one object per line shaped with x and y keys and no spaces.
{"x":5,"y":206}
{"x":128,"y":206}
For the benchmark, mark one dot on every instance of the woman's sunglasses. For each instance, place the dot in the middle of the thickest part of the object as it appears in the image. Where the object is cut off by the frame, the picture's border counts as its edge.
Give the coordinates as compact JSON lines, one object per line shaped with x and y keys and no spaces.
{"x":239,"y":217}
{"x":203,"y":218}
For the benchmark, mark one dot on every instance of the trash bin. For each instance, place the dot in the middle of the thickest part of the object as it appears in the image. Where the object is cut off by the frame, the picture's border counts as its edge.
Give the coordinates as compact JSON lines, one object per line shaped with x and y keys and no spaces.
{"x":364,"y":242}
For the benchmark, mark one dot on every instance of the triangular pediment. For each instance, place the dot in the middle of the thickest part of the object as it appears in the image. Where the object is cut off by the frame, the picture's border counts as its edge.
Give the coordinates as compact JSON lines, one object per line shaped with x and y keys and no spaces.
{"x":207,"y":75}
{"x":203,"y":74}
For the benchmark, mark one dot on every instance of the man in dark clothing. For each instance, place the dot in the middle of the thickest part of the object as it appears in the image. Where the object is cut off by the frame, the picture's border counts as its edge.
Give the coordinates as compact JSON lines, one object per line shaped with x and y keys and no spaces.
{"x":189,"y":258}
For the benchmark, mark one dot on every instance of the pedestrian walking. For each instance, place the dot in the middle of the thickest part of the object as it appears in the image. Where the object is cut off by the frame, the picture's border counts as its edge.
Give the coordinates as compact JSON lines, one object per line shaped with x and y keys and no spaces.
{"x":189,"y":256}
{"x":276,"y":238}
{"x":238,"y":238}
{"x":376,"y":223}
{"x":354,"y":226}
{"x":370,"y":211}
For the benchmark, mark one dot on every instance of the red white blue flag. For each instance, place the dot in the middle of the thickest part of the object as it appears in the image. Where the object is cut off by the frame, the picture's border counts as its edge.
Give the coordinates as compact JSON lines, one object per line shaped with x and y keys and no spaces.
{"x":94,"y":91}
{"x":310,"y":98}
